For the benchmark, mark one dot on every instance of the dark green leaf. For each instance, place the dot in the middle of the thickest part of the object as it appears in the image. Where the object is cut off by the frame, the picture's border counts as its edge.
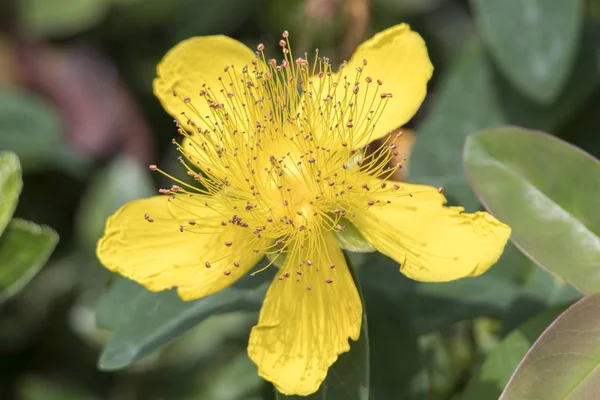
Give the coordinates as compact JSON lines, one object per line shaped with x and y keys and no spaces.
{"x":24,"y":249}
{"x":500,"y":363}
{"x":563,"y":362}
{"x":523,"y":178}
{"x":440,"y":304}
{"x":31,"y":128}
{"x":397,"y":366}
{"x":142,"y":320}
{"x":533,"y":42}
{"x":10,"y":186}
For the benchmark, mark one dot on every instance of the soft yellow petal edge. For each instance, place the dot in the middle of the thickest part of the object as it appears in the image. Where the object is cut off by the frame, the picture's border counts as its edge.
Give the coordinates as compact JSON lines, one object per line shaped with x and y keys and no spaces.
{"x":302,"y":332}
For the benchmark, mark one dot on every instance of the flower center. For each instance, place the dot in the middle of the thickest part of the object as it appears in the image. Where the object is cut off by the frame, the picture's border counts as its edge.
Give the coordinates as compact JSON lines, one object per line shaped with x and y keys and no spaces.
{"x":275,"y":145}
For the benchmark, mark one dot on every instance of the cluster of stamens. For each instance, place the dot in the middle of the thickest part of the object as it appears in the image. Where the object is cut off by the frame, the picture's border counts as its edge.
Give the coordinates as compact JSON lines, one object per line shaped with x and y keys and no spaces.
{"x":262,"y":144}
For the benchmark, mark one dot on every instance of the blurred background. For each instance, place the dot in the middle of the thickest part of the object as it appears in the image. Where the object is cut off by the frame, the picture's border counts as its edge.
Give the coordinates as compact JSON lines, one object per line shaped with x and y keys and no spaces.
{"x":76,"y":106}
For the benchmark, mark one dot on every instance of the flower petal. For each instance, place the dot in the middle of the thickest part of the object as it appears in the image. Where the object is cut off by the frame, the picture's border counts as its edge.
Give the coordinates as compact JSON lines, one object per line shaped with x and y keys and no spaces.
{"x":430,"y":241}
{"x":306,"y":320}
{"x":195,"y":64}
{"x":192,"y":66}
{"x":185,"y":246}
{"x":398,"y":58}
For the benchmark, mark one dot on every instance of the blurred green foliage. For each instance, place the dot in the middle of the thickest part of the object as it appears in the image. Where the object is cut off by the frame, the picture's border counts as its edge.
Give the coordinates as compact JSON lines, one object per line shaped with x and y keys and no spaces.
{"x":76,"y":106}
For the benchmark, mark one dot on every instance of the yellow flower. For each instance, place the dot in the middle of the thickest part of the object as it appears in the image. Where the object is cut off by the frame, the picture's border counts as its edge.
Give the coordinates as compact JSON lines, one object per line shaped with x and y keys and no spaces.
{"x":282,"y":149}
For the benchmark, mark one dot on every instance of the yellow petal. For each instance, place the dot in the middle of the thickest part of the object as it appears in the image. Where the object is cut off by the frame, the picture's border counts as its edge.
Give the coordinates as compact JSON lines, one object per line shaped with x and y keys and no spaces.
{"x":192,"y":66}
{"x":398,"y":58}
{"x":302,"y":331}
{"x":430,"y":241}
{"x":193,"y":63}
{"x":160,"y":256}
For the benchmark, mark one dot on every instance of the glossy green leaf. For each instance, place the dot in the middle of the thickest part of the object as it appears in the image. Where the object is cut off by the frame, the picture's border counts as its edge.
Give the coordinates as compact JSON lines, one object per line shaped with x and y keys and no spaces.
{"x":549,"y":193}
{"x":563,"y":362}
{"x":472,"y":97}
{"x":499,"y":365}
{"x":142,"y":320}
{"x":24,"y":249}
{"x":32,"y":129}
{"x":348,"y":378}
{"x":351,"y":239}
{"x":534,"y":42}
{"x":10,"y":186}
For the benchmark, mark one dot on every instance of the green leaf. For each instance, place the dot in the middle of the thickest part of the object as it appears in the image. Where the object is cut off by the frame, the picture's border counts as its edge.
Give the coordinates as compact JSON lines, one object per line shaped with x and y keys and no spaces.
{"x":441,"y":304}
{"x":547,"y":191}
{"x":563,"y":362}
{"x":10,"y":186}
{"x":348,"y":378}
{"x":540,"y":291}
{"x":534,"y":42}
{"x":397,"y":366}
{"x":351,"y":239}
{"x":24,"y":249}
{"x":43,"y":18}
{"x":486,"y":100}
{"x":123,"y":180}
{"x":142,"y":320}
{"x":32,"y":129}
{"x":499,"y":365}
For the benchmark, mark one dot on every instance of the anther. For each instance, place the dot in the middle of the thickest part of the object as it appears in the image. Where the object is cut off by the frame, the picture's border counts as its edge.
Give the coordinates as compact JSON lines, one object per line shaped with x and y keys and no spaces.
{"x":192,"y":222}
{"x":332,"y":266}
{"x":329,"y":281}
{"x":228,"y":244}
{"x":227,"y":273}
{"x":285,"y":34}
{"x":309,"y":288}
{"x":370,"y":202}
{"x":440,"y":190}
{"x":282,"y":43}
{"x":236,"y":264}
{"x":153,"y":167}
{"x":207,"y":264}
